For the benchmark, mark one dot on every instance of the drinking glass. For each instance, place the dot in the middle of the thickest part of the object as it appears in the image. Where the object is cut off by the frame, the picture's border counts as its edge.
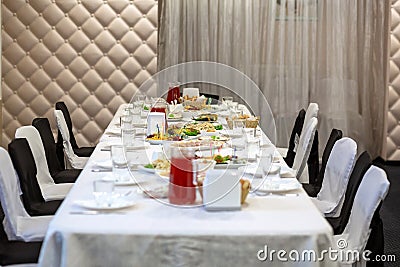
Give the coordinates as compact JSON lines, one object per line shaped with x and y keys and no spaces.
{"x":237,"y":127}
{"x":252,"y":148}
{"x":128,"y":137}
{"x":135,"y":157}
{"x":126,"y":122}
{"x":119,"y":164}
{"x":102,"y":192}
{"x":181,"y":187}
{"x":227,"y":100}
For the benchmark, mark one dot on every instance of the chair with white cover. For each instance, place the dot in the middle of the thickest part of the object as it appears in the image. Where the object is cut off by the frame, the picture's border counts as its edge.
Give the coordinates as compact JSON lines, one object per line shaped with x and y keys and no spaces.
{"x":79,"y":151}
{"x":370,"y":194}
{"x":303,"y":150}
{"x":74,"y":161}
{"x":302,"y":120}
{"x":313,"y":187}
{"x":50,"y":190}
{"x":17,"y":223}
{"x":290,"y":152}
{"x":57,"y":171}
{"x":338,"y":169}
{"x":191,"y":92}
{"x":17,"y":253}
{"x":25,"y":167}
{"x":311,"y":112}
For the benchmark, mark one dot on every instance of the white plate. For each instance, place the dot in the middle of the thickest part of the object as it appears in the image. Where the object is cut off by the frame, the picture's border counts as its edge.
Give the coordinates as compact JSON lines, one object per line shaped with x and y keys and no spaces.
{"x":155,"y":142}
{"x":253,"y":169}
{"x":175,"y":118}
{"x":143,"y":168}
{"x":114,"y":131}
{"x":279,"y":186}
{"x":274,"y":169}
{"x":116,"y":205}
{"x":104,"y":164}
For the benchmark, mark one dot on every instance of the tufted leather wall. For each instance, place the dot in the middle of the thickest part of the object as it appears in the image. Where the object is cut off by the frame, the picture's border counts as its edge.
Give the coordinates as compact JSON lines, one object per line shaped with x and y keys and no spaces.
{"x":393,"y":138}
{"x":92,"y":54}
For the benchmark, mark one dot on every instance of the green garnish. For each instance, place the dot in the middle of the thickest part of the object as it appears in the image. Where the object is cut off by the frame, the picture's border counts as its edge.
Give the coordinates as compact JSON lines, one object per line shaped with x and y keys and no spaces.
{"x":171,"y":115}
{"x":218,"y":127}
{"x":214,"y":137}
{"x":149,"y":166}
{"x":145,"y":107}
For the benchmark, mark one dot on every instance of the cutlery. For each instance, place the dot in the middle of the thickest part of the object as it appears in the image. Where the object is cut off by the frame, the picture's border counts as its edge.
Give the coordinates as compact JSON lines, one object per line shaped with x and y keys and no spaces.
{"x":101,"y":170}
{"x":95,"y":212}
{"x":262,"y":194}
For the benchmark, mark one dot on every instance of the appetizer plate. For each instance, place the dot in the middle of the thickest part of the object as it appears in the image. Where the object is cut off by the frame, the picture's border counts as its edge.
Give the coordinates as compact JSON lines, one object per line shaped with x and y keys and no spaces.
{"x":155,"y":142}
{"x":149,"y":170}
{"x":115,"y":205}
{"x":279,"y":185}
{"x":103,"y":164}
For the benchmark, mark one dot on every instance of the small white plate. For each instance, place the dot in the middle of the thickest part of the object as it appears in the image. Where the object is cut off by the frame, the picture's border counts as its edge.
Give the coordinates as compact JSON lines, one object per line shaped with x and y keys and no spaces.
{"x":274,"y":169}
{"x":116,"y":204}
{"x":104,"y":164}
{"x":253,"y":169}
{"x":175,"y":118}
{"x":279,"y":186}
{"x":143,"y":168}
{"x":155,"y":142}
{"x":114,"y":131}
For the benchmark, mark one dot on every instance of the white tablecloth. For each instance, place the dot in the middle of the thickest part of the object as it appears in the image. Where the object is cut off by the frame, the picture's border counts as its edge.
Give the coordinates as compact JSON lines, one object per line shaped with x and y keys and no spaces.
{"x":154,"y":234}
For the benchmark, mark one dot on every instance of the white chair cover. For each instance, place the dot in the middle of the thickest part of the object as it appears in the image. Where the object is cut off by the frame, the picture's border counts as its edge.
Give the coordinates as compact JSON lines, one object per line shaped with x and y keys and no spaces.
{"x":191,"y":92}
{"x":304,"y":149}
{"x":73,"y":160}
{"x":311,"y":112}
{"x":17,"y":223}
{"x":337,"y":173}
{"x":50,"y":190}
{"x":371,"y":192}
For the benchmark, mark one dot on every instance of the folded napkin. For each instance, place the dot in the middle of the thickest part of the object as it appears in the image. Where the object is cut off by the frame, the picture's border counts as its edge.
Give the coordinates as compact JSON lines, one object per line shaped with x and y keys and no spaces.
{"x":175,"y":109}
{"x":288,"y":173}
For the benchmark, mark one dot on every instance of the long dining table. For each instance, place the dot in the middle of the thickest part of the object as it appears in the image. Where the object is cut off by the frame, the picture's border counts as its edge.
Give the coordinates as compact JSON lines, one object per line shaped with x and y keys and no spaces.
{"x":151,"y":233}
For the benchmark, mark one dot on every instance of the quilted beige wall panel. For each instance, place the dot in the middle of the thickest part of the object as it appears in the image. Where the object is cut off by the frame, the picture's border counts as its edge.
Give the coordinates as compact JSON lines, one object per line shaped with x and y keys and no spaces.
{"x":91,"y":54}
{"x":393,"y":139}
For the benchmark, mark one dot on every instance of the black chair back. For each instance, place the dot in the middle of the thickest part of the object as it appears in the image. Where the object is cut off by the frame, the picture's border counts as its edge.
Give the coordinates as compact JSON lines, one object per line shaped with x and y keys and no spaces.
{"x":363,"y":163}
{"x":313,"y":160}
{"x":24,"y":163}
{"x":61,"y":106}
{"x":298,"y":125}
{"x":59,"y":147}
{"x":43,"y":127}
{"x":334,"y":136}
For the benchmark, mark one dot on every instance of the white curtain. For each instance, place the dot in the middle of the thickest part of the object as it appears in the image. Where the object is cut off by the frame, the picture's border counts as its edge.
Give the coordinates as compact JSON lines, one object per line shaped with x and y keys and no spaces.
{"x":297,"y":51}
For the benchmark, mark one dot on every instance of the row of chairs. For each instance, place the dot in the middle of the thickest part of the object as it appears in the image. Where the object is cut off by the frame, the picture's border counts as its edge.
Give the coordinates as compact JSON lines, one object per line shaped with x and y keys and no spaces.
{"x":348,"y":191}
{"x":34,"y":180}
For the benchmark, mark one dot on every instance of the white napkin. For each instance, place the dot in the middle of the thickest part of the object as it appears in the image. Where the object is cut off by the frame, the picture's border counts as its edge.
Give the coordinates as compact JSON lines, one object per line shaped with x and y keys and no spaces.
{"x":175,"y":109}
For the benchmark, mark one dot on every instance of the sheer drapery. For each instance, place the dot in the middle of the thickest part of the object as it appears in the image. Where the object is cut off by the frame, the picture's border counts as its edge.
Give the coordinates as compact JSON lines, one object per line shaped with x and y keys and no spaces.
{"x":297,"y":51}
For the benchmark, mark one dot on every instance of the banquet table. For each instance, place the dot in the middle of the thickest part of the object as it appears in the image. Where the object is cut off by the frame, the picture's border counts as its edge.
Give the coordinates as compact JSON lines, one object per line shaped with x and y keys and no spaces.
{"x":151,"y":233}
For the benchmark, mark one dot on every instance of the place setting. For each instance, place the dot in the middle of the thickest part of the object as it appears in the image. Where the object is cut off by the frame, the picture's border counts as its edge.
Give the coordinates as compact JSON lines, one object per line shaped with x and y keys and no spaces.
{"x":105,"y":200}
